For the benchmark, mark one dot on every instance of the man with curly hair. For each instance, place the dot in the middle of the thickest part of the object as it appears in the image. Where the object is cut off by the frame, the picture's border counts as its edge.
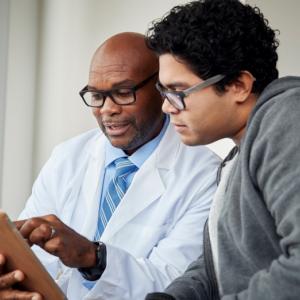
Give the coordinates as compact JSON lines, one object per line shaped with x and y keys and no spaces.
{"x":218,"y":78}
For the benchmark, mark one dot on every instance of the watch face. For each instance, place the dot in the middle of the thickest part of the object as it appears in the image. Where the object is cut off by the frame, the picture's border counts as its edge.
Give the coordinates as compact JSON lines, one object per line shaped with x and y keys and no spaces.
{"x":94,"y":273}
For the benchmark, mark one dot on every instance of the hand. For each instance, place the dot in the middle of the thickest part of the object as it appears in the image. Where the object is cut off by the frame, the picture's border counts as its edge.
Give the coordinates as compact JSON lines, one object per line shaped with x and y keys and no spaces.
{"x":7,"y":280}
{"x":58,"y":239}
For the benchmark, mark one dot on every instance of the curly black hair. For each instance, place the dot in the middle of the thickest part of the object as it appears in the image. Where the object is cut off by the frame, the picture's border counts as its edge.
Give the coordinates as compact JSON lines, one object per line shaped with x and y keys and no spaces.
{"x":218,"y":37}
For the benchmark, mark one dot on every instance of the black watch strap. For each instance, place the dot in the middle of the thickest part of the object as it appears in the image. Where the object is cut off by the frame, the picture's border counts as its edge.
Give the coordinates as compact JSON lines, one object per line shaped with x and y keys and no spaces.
{"x":95,"y":272}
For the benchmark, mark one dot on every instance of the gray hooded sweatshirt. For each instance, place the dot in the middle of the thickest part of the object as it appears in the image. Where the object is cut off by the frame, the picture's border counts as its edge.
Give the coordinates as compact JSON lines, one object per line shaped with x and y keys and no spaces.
{"x":259,"y":225}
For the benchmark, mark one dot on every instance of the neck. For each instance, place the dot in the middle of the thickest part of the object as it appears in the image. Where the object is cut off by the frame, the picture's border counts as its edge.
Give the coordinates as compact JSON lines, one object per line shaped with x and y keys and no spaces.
{"x":244,"y":114}
{"x":155,"y":133}
{"x":238,"y":137}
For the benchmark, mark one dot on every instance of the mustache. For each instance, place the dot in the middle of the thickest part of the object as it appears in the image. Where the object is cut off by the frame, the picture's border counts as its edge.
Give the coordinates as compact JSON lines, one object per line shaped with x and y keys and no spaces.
{"x":116,"y":121}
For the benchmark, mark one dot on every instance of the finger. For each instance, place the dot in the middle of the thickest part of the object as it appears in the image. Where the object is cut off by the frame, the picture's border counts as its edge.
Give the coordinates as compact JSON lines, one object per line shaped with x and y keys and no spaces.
{"x":54,"y":246}
{"x":2,"y":263}
{"x":48,"y":218}
{"x":51,"y":218}
{"x":41,"y":234}
{"x":19,"y":223}
{"x":9,"y":279}
{"x":30,"y":225}
{"x":19,"y":295}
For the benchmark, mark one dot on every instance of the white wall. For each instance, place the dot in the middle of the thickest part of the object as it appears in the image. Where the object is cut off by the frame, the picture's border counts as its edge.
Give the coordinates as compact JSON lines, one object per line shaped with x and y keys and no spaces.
{"x":50,"y":46}
{"x":4,"y":19}
{"x":20,"y":101}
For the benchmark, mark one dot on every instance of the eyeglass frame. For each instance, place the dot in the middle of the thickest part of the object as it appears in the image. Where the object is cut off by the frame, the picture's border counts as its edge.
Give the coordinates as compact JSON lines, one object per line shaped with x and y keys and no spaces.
{"x":184,"y":93}
{"x":108,"y":93}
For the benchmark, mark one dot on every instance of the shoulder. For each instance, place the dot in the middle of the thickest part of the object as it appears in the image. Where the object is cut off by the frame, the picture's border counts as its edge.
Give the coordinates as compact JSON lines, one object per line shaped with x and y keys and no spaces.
{"x":273,"y":129}
{"x":200,"y":152}
{"x":278,"y":105}
{"x":198,"y":158}
{"x":171,"y":147}
{"x":78,"y":148}
{"x":80,"y":140}
{"x":188,"y":161}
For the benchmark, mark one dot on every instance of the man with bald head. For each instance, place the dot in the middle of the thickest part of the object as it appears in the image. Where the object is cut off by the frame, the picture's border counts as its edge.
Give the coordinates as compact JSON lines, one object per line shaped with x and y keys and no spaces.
{"x":117,"y":213}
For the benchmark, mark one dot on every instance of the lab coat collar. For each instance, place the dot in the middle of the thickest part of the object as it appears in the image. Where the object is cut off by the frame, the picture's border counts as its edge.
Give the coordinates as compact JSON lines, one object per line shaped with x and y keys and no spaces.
{"x":147,"y":185}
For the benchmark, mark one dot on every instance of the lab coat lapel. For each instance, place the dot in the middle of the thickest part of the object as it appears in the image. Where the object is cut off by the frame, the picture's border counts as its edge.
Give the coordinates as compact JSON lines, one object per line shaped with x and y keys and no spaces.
{"x":90,"y":191}
{"x":147,"y":185}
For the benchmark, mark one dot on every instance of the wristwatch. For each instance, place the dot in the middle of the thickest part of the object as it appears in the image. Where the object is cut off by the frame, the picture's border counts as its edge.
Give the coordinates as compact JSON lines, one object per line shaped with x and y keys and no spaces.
{"x":95,"y":272}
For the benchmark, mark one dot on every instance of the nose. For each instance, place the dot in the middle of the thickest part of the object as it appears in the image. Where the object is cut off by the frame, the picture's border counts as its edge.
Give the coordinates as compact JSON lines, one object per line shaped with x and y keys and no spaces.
{"x":168,"y":108}
{"x":110,"y":107}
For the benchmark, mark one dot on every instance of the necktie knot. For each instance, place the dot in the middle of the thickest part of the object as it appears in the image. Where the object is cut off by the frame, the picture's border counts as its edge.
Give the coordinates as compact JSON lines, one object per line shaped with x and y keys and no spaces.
{"x":124,"y":167}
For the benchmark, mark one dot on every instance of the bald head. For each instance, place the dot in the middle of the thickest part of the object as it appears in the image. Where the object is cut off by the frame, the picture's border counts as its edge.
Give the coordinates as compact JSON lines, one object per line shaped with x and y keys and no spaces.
{"x":126,"y":51}
{"x":123,"y":73}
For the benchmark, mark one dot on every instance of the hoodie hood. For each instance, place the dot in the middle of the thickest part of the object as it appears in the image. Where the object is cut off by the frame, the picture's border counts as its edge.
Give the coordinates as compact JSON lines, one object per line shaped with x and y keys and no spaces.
{"x":275,"y":88}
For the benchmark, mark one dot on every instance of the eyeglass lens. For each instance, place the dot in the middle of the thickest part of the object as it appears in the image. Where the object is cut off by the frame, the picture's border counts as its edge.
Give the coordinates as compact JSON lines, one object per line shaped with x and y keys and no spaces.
{"x":120,"y":96}
{"x":175,"y":100}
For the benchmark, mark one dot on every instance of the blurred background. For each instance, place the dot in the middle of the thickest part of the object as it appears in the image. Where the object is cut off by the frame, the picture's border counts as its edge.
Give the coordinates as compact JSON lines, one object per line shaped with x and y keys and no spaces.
{"x":45,"y":52}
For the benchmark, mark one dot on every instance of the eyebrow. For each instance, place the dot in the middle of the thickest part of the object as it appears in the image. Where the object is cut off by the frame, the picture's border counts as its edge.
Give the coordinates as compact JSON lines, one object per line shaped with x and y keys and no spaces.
{"x":176,"y":84}
{"x":115,"y":85}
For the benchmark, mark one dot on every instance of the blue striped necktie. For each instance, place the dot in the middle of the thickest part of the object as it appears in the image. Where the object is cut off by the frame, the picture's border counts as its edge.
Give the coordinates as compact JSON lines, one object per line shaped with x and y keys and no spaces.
{"x":115,"y":192}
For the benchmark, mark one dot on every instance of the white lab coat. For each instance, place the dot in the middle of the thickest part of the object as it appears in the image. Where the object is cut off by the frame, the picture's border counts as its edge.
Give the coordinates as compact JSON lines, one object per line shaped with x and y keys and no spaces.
{"x":156,"y":230}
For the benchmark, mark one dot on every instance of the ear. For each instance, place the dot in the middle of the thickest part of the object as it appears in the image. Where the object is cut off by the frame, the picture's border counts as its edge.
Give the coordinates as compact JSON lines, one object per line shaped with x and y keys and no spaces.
{"x":242,"y":86}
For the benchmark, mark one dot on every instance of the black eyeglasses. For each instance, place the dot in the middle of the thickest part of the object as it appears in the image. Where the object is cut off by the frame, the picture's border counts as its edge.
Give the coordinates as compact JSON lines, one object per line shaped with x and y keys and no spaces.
{"x":119,"y":95}
{"x":176,"y":98}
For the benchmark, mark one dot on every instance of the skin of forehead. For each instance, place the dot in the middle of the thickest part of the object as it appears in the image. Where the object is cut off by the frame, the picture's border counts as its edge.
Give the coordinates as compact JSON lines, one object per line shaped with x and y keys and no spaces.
{"x":124,"y":52}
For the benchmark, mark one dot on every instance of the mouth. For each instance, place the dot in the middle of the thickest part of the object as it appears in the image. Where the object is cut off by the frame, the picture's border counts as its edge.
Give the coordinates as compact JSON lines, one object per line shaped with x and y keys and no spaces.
{"x":116,"y":129}
{"x":179,"y":127}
